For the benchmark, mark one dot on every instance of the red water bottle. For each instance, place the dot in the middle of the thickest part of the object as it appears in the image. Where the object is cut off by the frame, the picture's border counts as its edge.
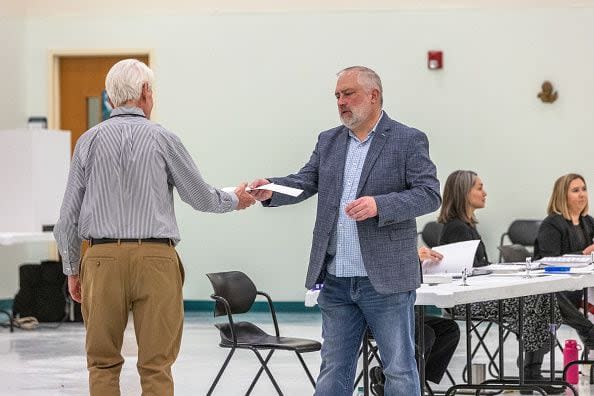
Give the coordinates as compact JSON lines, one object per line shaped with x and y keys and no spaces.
{"x":570,"y":354}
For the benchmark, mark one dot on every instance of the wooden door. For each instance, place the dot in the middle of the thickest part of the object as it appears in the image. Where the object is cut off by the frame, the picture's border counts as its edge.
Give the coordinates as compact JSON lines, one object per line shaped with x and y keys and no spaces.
{"x":82,"y":78}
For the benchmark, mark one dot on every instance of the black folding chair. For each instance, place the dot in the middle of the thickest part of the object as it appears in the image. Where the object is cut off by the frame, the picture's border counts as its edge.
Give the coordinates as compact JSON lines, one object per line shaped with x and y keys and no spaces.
{"x":520,"y":232}
{"x":378,"y":389}
{"x":431,"y":233}
{"x":513,"y":253}
{"x":235,"y":293}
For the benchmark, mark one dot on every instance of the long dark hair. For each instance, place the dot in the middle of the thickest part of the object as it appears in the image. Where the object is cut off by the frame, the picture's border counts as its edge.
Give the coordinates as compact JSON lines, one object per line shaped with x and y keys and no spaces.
{"x":455,"y":203}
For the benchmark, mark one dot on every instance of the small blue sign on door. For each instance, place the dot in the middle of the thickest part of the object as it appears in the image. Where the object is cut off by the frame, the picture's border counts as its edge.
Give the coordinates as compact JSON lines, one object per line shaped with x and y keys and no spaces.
{"x":105,"y":106}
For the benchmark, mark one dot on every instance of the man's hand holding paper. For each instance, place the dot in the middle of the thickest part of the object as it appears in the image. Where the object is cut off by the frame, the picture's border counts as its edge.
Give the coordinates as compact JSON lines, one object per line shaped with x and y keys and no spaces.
{"x":260,"y":194}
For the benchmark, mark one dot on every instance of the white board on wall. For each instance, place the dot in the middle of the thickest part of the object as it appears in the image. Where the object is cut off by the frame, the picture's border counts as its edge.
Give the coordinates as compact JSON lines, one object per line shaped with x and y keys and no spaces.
{"x":34,"y":165}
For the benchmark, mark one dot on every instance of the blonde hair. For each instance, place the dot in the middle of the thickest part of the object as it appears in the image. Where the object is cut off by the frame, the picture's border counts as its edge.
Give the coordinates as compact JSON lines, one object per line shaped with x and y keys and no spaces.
{"x":558,"y":201}
{"x":125,"y":79}
{"x":455,"y":203}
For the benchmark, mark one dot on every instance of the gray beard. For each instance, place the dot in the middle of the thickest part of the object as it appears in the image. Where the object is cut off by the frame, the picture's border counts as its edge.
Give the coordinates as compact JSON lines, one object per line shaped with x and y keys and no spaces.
{"x":352,"y":123}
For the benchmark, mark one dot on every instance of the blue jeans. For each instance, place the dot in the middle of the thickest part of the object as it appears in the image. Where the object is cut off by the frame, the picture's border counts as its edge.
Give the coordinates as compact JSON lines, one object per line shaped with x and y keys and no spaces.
{"x":348,"y":305}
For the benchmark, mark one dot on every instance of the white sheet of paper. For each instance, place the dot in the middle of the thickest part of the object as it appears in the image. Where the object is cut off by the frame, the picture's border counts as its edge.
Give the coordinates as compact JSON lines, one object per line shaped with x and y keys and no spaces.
{"x":456,"y":257}
{"x":294,"y":192}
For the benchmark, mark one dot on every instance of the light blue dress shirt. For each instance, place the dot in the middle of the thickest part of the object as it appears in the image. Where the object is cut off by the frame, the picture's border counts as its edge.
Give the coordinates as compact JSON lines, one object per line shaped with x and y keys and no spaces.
{"x":344,"y":245}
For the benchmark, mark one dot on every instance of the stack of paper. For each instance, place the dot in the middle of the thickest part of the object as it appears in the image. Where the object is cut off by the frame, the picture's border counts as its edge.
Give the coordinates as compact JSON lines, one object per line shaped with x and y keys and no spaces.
{"x":569,"y":260}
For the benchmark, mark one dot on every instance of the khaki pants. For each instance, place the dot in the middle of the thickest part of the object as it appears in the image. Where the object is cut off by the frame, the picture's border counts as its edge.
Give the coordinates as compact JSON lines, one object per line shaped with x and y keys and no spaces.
{"x":145,"y":278}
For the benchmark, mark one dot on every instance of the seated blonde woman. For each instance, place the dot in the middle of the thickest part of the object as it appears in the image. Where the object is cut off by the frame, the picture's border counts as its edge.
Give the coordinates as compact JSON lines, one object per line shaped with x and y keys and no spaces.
{"x":568,"y":229}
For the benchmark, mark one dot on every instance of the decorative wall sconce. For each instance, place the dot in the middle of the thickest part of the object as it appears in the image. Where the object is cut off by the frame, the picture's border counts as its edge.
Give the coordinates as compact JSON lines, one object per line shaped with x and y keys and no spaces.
{"x":547,"y":94}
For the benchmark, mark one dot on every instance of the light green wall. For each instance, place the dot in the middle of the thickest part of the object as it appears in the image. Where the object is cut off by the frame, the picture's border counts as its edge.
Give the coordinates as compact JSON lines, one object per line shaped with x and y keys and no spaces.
{"x":12,"y":72}
{"x":13,"y":114}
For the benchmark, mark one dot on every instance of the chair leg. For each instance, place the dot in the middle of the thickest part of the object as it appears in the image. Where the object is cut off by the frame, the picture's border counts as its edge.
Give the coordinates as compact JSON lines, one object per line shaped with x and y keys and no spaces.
{"x":373,"y":351}
{"x":257,"y":377}
{"x":220,"y":373}
{"x":311,"y":379}
{"x":373,"y":354}
{"x":481,"y":337}
{"x":449,"y":375}
{"x":493,"y":367}
{"x":428,"y":389}
{"x":265,"y":366}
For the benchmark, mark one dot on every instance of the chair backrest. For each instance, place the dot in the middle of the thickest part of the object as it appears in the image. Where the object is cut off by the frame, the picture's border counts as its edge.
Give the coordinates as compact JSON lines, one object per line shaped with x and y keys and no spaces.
{"x":523,"y":232}
{"x":235,"y":287}
{"x":431,"y":233}
{"x":513,"y":253}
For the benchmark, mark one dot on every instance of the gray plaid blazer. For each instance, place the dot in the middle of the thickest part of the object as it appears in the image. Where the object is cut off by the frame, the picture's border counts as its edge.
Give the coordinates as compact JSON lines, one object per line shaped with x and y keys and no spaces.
{"x":401,"y":177}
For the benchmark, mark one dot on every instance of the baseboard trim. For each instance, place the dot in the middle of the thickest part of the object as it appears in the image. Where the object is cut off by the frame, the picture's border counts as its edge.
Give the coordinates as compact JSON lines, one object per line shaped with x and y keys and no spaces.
{"x":259,"y":306}
{"x":207,"y":306}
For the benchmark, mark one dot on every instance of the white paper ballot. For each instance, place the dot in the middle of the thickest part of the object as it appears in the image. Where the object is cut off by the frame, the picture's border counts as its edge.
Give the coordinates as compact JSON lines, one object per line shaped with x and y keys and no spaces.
{"x":294,"y":192}
{"x":456,"y":257}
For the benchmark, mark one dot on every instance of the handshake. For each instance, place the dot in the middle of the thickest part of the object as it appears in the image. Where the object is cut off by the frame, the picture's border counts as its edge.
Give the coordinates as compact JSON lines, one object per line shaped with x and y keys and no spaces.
{"x":360,"y":209}
{"x":248,"y":195}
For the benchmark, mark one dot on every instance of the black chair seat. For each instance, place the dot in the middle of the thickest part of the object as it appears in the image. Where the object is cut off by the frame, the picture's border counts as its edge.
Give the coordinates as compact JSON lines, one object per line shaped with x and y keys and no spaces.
{"x":514,"y":253}
{"x":235,"y":293}
{"x":520,"y":232}
{"x":249,"y":334}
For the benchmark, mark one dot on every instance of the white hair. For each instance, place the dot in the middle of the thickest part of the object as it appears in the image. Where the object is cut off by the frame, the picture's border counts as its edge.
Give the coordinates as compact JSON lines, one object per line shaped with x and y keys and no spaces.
{"x":125,"y":79}
{"x":366,"y":76}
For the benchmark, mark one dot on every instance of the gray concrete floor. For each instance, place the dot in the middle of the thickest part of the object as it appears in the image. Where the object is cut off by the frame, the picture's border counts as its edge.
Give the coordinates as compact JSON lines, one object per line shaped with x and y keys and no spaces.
{"x":49,"y":361}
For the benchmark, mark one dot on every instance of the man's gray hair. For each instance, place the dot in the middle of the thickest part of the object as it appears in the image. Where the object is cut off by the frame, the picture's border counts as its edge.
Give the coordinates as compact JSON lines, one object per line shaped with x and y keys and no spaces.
{"x":367,"y":77}
{"x":125,"y":79}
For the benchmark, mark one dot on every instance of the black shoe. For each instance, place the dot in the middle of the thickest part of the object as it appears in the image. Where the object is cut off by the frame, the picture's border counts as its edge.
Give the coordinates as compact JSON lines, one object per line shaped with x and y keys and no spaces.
{"x":377,"y":390}
{"x":377,"y":380}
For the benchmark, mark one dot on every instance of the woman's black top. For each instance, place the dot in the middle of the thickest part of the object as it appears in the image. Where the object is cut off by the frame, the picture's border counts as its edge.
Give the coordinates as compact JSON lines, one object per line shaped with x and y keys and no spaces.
{"x":558,"y":236}
{"x":458,"y":231}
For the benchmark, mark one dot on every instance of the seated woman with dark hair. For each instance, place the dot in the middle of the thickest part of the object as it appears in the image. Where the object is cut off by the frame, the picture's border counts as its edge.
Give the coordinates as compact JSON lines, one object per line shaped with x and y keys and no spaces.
{"x":568,"y":229}
{"x":463,"y":194}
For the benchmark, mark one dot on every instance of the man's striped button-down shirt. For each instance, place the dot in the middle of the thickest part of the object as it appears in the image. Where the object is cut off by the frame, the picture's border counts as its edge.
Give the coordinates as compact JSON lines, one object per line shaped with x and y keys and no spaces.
{"x":121,"y":183}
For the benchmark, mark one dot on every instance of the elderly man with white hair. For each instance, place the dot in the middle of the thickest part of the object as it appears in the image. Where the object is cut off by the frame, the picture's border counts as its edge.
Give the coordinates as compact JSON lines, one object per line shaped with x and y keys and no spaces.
{"x":119,"y":197}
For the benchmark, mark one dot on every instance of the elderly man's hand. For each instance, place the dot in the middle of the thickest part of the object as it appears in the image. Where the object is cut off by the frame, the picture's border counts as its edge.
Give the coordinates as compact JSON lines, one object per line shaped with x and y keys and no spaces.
{"x":245,"y":199}
{"x":260,"y":195}
{"x":74,"y":287}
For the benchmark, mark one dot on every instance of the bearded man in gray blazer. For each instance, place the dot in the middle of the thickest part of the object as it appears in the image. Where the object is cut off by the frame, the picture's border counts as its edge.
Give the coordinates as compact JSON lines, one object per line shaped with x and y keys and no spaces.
{"x":373,"y":177}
